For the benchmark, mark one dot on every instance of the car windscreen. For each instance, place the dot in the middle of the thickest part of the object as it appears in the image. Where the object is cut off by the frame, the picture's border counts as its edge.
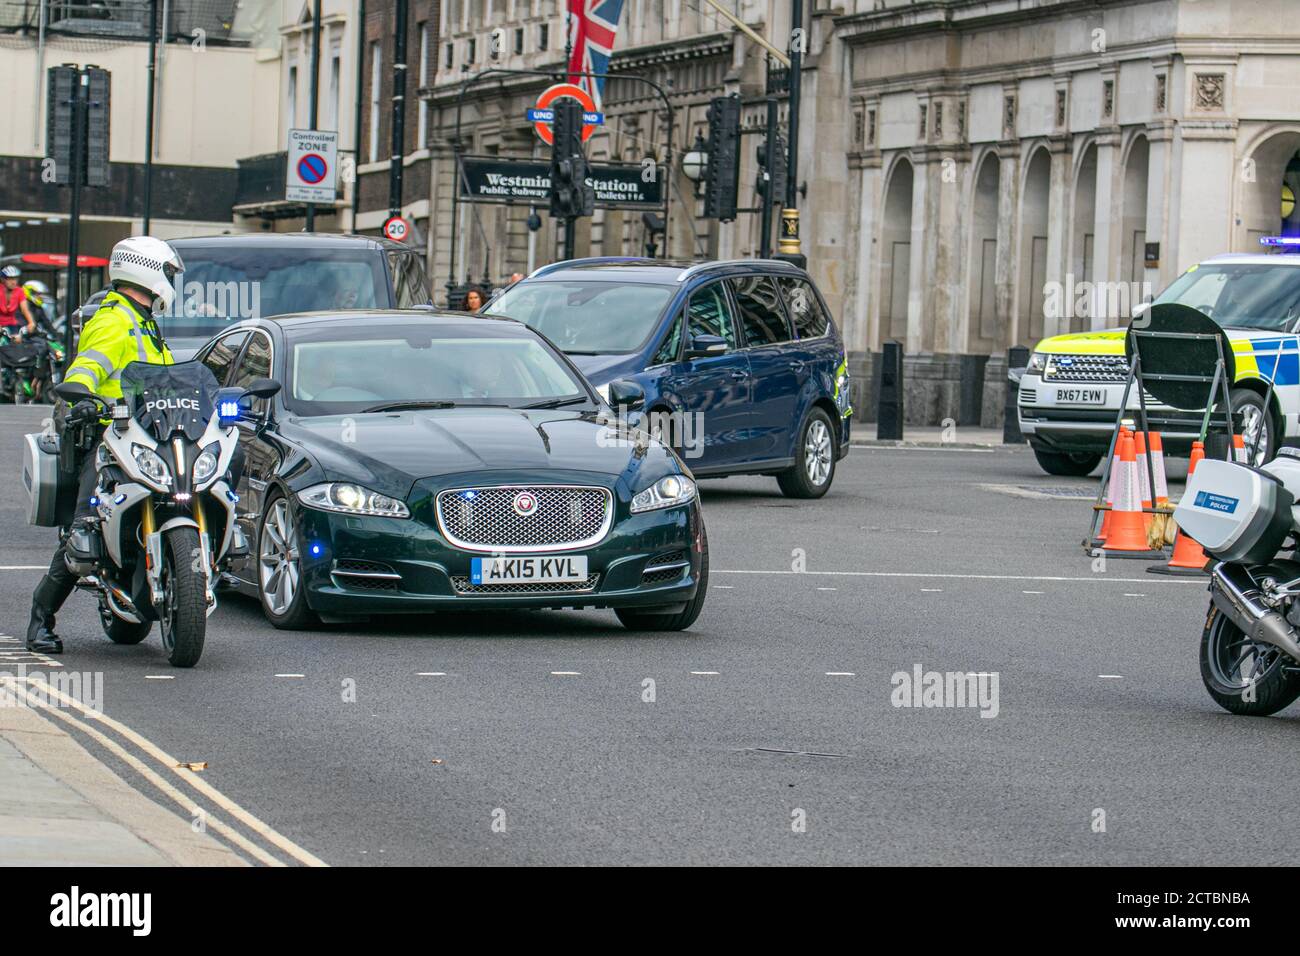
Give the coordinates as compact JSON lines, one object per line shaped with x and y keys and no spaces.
{"x":221,"y":286}
{"x":587,"y":316}
{"x":333,"y":374}
{"x":1242,"y":296}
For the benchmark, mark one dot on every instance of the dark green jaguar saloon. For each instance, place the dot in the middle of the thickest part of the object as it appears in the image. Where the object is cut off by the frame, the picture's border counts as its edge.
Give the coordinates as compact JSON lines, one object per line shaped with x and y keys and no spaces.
{"x":418,"y":461}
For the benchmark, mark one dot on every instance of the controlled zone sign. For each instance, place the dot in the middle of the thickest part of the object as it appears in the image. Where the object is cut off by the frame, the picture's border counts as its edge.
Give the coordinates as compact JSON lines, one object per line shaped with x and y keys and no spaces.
{"x":542,"y":115}
{"x":313,"y":158}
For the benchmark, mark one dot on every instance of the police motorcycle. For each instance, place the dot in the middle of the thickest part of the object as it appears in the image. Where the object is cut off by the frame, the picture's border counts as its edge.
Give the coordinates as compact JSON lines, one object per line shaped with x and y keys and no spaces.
{"x":1247,"y":520}
{"x":165,"y":499}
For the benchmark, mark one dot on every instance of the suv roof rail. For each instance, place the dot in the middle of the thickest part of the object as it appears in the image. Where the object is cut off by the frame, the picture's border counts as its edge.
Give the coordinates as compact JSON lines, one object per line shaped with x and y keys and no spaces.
{"x":591,"y":261}
{"x":705,"y":266}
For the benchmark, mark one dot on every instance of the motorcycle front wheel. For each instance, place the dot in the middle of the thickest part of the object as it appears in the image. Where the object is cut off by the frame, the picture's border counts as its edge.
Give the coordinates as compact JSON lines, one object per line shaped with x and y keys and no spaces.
{"x":183,"y":616}
{"x":1244,"y":676}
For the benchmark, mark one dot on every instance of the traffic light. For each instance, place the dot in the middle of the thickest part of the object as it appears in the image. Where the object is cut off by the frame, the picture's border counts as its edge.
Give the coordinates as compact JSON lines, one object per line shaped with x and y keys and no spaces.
{"x":774,"y":166}
{"x":722,"y":176}
{"x":60,"y":117}
{"x":570,"y":195}
{"x":97,"y":128}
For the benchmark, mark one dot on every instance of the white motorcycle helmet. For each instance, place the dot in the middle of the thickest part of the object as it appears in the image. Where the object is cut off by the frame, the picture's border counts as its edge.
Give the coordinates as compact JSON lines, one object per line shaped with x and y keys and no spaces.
{"x":148,"y":263}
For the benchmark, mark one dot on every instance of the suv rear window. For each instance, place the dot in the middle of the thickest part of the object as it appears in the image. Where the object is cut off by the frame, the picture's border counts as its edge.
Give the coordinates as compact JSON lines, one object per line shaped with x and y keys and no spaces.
{"x":810,"y":319}
{"x":761,"y":314}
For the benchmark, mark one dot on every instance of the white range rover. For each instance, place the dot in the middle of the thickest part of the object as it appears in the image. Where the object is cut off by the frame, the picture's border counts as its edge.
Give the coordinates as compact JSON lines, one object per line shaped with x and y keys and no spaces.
{"x":1070,"y":392}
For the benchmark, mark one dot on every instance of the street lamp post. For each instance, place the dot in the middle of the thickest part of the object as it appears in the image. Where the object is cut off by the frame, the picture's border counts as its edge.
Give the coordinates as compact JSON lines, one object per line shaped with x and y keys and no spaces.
{"x":788,"y":244}
{"x":315,"y":95}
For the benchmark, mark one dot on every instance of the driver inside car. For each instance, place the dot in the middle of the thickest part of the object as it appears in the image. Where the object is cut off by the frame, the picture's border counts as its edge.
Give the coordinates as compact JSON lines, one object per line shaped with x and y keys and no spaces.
{"x":123,"y":330}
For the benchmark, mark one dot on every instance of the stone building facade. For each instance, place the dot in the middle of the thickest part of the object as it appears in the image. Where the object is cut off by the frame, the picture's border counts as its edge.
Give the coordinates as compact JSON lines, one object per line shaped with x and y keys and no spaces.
{"x":978,"y":174}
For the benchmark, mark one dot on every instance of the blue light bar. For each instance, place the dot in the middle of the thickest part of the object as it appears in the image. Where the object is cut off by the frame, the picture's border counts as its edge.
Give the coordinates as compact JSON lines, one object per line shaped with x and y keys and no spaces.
{"x":229,"y":411}
{"x":1289,"y":241}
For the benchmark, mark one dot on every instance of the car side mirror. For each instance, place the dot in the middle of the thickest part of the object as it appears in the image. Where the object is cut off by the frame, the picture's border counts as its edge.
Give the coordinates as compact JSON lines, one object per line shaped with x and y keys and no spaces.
{"x":703,"y":346}
{"x":263,"y":388}
{"x":626,"y":394}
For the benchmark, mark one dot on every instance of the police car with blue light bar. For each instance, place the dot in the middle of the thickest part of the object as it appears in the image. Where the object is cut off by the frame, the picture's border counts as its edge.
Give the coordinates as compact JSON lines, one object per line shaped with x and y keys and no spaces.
{"x":1070,"y":392}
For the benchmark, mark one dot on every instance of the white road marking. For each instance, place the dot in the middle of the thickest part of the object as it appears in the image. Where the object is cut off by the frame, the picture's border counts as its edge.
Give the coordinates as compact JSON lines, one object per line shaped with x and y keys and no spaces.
{"x":1111,"y":676}
{"x":566,"y":673}
{"x":724,"y":587}
{"x":190,"y":777}
{"x":290,"y":675}
{"x":1032,"y":592}
{"x":431,"y":674}
{"x":966,"y":577}
{"x":967,"y":450}
{"x":932,"y":590}
{"x":705,"y":673}
{"x":840,"y":674}
{"x":24,"y":567}
{"x":159,"y":677}
{"x":828,"y":589}
{"x":1135,"y":595}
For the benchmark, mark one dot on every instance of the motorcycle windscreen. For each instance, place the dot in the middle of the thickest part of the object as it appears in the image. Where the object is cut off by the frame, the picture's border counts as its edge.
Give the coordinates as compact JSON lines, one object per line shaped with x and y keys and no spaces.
{"x":166,"y":399}
{"x":1235,"y":512}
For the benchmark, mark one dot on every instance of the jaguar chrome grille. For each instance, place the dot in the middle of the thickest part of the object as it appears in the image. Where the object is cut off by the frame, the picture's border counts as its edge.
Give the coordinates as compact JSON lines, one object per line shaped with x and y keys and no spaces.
{"x":1102,"y":369}
{"x":520,"y":518}
{"x":462,"y":585}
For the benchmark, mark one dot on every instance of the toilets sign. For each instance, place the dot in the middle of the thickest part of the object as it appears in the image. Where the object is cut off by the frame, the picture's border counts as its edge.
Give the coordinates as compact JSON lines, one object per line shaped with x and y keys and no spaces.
{"x":310,"y":176}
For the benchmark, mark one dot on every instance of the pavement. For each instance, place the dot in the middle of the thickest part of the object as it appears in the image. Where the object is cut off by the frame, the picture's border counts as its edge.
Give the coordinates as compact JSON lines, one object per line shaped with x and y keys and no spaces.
{"x":954,"y":436}
{"x":772,"y":732}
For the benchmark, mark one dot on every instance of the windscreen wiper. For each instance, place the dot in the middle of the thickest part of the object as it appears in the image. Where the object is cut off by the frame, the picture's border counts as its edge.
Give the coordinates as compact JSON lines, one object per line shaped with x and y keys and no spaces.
{"x":394,"y":406}
{"x":557,"y":402}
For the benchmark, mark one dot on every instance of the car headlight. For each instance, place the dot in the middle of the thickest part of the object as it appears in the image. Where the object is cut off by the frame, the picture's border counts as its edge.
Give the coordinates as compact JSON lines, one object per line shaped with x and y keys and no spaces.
{"x":151,"y":465}
{"x":664,"y":493}
{"x":204,"y":467}
{"x":353,"y":500}
{"x":1037,"y":362}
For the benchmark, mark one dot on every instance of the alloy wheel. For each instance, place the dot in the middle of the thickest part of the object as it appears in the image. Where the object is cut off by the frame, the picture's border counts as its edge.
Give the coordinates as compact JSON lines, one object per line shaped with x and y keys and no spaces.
{"x":817,"y":452}
{"x":1254,"y":428}
{"x":278,"y":559}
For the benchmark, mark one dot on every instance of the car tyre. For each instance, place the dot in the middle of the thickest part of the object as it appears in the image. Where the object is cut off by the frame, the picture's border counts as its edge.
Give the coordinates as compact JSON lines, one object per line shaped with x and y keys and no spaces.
{"x":641,"y":619}
{"x":1249,"y":406}
{"x":1076,"y":464}
{"x":814,"y":468}
{"x":280,"y":586}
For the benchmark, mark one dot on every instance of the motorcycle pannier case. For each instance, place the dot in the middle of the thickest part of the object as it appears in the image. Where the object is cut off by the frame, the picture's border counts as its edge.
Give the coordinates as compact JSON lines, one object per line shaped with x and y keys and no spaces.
{"x":43,"y":481}
{"x":1235,"y":512}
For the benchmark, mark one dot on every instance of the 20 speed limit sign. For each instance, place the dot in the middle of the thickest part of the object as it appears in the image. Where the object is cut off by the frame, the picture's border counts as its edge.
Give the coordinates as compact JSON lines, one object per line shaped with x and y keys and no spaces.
{"x":396,"y":229}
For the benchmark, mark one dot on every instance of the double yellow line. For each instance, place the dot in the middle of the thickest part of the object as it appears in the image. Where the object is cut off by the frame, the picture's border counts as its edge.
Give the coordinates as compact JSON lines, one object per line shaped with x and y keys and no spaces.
{"x":34,"y":697}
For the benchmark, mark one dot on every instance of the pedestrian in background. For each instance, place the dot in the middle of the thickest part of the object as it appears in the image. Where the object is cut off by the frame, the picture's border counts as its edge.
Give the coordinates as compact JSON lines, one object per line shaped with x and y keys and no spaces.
{"x":473,"y":299}
{"x":13,"y":302}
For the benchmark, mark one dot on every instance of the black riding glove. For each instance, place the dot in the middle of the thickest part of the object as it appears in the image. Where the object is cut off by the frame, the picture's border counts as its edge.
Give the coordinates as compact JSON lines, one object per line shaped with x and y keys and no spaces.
{"x":84,"y":411}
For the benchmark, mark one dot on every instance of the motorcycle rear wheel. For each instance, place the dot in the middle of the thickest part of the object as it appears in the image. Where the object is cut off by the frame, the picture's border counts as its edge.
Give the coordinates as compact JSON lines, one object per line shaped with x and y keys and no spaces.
{"x":1245,"y":677}
{"x":183,"y":616}
{"x":120,"y":631}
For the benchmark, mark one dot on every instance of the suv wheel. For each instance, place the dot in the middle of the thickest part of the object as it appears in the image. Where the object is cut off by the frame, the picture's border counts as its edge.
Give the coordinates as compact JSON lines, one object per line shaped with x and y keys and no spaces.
{"x":1075,"y":463}
{"x":814,"y":467}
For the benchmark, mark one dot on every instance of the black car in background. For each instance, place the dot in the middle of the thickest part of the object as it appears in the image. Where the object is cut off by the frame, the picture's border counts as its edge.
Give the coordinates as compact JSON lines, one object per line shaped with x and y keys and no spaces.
{"x":228,"y":279}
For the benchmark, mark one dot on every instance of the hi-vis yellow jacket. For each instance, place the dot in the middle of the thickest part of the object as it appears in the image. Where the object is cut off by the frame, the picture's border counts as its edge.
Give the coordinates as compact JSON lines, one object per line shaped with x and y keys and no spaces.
{"x":111,"y":340}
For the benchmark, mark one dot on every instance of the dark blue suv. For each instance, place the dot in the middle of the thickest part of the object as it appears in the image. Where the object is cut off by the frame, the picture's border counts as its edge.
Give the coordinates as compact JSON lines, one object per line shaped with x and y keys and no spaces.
{"x":741,"y":367}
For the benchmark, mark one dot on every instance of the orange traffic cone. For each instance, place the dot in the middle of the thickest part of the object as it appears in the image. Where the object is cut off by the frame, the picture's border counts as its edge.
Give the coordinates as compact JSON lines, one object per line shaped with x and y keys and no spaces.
{"x":1110,"y":494}
{"x":1158,"y":469}
{"x":1127,"y":537}
{"x":1144,"y":475}
{"x":1188,"y":557}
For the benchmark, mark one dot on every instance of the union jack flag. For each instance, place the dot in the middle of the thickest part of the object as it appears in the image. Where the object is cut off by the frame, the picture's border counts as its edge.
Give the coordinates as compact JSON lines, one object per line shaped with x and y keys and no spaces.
{"x":593,"y":25}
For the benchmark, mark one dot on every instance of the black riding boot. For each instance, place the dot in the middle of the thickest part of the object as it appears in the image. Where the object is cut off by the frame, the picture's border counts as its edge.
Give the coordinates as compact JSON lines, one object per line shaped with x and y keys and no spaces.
{"x":40,"y":632}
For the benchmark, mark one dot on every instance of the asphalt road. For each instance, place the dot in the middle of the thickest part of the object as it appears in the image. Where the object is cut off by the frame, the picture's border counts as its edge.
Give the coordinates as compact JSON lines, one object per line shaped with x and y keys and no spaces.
{"x":773,"y":711}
